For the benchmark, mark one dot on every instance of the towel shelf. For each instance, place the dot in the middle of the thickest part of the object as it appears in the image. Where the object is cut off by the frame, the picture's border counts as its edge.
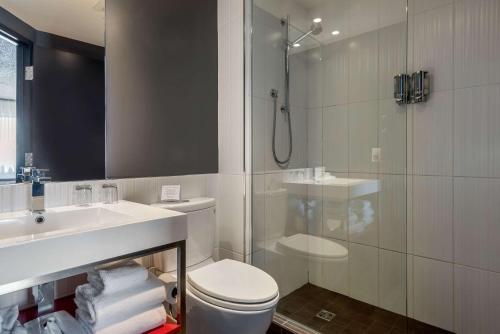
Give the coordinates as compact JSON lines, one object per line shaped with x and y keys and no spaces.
{"x":67,"y":304}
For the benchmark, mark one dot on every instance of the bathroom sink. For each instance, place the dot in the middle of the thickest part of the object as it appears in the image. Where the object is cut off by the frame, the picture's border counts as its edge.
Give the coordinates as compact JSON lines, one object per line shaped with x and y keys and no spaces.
{"x":20,"y":227}
{"x":335,"y":189}
{"x":34,"y":246}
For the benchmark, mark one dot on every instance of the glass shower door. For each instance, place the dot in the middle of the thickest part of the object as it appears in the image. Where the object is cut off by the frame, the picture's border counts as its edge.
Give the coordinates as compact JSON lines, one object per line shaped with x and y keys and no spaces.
{"x":330,"y":224}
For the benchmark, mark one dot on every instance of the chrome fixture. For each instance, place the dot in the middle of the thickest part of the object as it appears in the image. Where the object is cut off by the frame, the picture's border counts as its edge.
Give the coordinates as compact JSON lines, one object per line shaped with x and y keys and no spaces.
{"x":420,"y":86}
{"x":286,"y":113}
{"x":412,"y":89}
{"x":83,"y":194}
{"x":38,"y":179}
{"x":402,"y":88}
{"x":316,"y":28}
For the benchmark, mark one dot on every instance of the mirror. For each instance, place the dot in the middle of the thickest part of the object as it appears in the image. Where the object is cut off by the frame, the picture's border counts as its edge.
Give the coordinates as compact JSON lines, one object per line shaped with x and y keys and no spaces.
{"x":52,"y":96}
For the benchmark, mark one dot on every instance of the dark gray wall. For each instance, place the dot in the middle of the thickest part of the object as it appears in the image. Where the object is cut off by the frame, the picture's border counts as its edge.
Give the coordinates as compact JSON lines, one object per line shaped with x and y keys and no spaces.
{"x":161,"y":87}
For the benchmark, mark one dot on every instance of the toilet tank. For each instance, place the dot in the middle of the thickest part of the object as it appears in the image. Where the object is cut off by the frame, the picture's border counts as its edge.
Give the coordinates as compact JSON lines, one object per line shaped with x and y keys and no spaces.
{"x":201,"y":232}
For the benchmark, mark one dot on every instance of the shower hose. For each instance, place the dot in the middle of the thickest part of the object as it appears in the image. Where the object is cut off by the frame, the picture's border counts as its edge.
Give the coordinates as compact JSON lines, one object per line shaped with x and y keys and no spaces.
{"x":286,"y":110}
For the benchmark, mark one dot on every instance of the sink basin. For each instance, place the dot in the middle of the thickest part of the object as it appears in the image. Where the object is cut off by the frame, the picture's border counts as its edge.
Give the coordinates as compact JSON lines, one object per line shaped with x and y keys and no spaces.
{"x":28,"y":226}
{"x":35,"y":246}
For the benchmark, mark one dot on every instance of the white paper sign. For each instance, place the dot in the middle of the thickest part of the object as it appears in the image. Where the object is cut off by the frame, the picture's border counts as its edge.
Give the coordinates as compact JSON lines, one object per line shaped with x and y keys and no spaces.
{"x":171,"y":193}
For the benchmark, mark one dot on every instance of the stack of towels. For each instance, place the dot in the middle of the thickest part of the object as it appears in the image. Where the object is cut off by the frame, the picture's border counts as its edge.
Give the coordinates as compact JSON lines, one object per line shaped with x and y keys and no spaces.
{"x":121,"y":299}
{"x":8,"y":321}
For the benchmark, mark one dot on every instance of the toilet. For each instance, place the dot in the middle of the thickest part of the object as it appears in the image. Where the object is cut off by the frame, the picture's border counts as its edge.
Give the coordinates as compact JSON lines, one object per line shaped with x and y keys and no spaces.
{"x":223,"y":297}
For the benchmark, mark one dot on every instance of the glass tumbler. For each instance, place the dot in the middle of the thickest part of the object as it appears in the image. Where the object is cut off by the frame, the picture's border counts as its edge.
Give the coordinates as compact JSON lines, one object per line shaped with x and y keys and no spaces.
{"x":83,"y":194}
{"x":109,"y":193}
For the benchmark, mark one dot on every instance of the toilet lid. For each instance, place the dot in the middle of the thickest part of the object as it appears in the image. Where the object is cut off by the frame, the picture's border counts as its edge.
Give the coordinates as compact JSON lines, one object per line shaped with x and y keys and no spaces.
{"x":235,"y":282}
{"x":313,"y":247}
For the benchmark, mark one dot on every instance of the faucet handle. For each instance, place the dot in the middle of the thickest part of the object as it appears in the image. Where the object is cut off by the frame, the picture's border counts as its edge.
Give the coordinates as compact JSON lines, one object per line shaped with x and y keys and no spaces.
{"x":43,"y":179}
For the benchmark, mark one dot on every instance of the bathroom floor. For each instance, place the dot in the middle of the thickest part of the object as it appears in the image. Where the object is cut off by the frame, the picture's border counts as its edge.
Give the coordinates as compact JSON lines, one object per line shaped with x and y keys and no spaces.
{"x":351,"y":316}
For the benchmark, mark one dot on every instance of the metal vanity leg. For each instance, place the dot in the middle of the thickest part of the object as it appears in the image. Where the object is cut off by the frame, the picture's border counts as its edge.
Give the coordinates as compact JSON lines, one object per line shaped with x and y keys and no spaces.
{"x":44,"y":297}
{"x":181,"y":282}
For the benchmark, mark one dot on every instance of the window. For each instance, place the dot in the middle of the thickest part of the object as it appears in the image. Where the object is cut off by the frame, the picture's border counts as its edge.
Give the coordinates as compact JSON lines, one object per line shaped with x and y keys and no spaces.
{"x":8,"y":117}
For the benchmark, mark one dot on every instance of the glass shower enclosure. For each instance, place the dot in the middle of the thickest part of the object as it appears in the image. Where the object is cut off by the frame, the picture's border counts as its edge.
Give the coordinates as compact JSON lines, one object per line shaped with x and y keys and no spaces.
{"x":327,"y":159}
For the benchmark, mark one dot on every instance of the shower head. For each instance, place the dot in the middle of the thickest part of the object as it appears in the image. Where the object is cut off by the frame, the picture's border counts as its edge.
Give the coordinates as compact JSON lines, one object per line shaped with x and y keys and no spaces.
{"x":316,"y":29}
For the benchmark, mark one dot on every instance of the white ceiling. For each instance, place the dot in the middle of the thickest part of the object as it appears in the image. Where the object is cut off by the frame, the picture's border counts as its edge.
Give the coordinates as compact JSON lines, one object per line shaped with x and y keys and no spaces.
{"x":82,"y":20}
{"x":349,"y":17}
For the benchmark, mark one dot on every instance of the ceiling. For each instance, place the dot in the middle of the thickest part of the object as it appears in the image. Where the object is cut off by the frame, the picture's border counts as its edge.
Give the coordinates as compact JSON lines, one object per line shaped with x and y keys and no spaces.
{"x":82,"y":20}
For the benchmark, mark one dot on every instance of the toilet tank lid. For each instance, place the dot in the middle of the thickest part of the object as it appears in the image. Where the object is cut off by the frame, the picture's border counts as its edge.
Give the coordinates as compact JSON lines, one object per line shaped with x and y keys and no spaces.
{"x":187,"y":205}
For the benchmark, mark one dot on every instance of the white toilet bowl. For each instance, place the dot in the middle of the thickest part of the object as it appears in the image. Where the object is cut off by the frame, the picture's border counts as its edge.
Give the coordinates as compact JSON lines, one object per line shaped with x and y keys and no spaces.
{"x":230,"y":297}
{"x":225,"y":297}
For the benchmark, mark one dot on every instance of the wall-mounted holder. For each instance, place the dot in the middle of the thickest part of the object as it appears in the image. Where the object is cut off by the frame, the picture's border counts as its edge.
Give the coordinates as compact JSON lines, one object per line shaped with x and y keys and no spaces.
{"x":412,"y":89}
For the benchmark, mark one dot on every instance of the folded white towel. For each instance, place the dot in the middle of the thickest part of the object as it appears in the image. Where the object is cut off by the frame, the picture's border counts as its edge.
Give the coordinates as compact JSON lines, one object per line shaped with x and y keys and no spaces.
{"x":8,"y":317}
{"x":139,"y":323}
{"x":18,"y":329}
{"x":101,"y":310}
{"x":118,"y":277}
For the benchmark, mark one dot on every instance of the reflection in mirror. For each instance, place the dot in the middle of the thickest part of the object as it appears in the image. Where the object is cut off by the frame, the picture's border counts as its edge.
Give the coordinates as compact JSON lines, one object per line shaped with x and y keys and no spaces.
{"x":8,"y":80}
{"x":55,"y":109}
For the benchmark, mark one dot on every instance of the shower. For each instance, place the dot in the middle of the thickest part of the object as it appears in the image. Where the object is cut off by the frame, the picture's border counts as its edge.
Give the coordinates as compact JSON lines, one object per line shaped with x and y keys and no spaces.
{"x":315,"y":29}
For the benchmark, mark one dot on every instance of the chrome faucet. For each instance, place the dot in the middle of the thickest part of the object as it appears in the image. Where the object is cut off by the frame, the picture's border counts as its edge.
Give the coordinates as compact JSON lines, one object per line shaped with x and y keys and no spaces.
{"x":38,"y":179}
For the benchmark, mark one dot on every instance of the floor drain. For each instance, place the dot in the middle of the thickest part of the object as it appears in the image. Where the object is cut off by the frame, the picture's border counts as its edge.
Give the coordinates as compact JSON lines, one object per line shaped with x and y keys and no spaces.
{"x":325,"y":315}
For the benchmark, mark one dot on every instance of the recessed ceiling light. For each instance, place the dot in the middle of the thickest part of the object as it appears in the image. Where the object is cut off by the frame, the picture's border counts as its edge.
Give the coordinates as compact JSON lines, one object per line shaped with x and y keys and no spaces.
{"x":335,"y":32}
{"x":296,"y":45}
{"x":317,"y":20}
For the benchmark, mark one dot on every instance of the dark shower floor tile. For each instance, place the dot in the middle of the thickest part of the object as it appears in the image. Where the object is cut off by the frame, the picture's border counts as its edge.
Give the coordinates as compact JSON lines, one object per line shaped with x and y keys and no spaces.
{"x":351,"y":316}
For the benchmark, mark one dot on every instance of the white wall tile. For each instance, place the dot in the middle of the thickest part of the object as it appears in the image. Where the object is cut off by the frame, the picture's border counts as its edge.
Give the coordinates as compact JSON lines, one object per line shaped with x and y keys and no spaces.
{"x":477,"y":42}
{"x":315,"y":71}
{"x":433,"y":292}
{"x":477,"y":222}
{"x":336,"y":139}
{"x":392,"y":281}
{"x":231,"y":212}
{"x":231,"y":97}
{"x":477,"y":301}
{"x":392,"y":55}
{"x":315,"y":145}
{"x":418,"y":6}
{"x":363,"y":136}
{"x":363,"y":273}
{"x":363,"y":67}
{"x":433,"y":46}
{"x":336,"y":73}
{"x":433,"y":135}
{"x":392,"y":213}
{"x":477,"y":131}
{"x":392,"y":137}
{"x":433,"y":217}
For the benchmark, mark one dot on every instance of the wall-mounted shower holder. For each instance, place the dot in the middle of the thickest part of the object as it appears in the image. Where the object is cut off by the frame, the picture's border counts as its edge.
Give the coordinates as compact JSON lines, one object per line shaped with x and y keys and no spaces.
{"x":412,"y":89}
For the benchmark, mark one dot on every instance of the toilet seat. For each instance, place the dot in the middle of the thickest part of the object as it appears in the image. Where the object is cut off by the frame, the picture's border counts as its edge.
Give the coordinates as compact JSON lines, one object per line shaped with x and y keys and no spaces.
{"x":234,"y":285}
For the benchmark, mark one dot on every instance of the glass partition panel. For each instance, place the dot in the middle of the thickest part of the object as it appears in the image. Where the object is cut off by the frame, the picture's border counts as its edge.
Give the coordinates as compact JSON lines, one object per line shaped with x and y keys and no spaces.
{"x":329,"y":160}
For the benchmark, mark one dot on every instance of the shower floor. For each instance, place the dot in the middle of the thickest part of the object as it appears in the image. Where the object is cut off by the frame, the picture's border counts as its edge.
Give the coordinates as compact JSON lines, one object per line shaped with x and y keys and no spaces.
{"x":351,"y":316}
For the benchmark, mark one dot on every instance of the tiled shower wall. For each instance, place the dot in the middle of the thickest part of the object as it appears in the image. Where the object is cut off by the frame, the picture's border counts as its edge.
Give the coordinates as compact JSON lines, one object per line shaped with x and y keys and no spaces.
{"x":141,"y":190}
{"x":454,"y":162}
{"x":448,"y":235}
